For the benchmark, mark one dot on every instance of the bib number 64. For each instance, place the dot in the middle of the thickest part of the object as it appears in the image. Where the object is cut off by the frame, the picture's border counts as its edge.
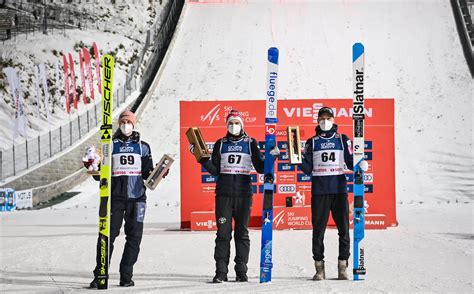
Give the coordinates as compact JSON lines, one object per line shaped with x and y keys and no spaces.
{"x":328,"y":156}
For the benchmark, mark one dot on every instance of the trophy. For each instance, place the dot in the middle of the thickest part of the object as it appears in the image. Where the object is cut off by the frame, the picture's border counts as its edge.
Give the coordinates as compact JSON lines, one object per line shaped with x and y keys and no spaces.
{"x":200,"y":148}
{"x":160,"y":169}
{"x":294,"y":145}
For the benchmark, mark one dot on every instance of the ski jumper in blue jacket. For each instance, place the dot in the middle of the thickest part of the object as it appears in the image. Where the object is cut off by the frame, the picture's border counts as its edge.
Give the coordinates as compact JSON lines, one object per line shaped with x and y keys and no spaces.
{"x":326,"y":156}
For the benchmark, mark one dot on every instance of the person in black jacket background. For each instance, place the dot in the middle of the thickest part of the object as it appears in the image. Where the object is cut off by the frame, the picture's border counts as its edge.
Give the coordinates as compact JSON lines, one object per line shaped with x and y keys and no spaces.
{"x":325,"y":158}
{"x":232,"y":159}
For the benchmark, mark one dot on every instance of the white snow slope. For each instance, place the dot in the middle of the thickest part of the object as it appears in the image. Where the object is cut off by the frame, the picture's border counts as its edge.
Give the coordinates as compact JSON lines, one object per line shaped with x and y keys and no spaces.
{"x":412,"y":54}
{"x":120,"y":29}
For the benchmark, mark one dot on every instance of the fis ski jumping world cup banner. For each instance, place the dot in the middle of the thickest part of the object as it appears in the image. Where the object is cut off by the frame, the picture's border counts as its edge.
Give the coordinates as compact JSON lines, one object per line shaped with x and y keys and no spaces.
{"x":198,"y":186}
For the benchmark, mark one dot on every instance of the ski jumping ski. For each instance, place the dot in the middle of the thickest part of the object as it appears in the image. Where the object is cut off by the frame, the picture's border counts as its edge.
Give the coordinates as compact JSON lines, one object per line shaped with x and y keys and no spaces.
{"x":105,"y":169}
{"x":358,"y":55}
{"x":271,"y":121}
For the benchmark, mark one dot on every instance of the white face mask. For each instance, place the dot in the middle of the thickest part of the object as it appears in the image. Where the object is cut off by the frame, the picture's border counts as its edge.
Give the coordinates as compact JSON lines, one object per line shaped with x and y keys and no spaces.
{"x":234,"y":129}
{"x":126,"y":129}
{"x":325,"y":125}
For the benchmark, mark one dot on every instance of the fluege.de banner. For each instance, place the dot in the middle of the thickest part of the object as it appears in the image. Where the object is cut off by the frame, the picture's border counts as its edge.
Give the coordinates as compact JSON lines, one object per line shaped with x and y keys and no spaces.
{"x":291,"y":184}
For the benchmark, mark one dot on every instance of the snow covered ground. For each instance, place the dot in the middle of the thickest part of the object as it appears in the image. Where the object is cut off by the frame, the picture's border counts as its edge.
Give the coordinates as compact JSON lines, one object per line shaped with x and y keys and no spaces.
{"x":413,"y":54}
{"x":120,"y":29}
{"x":52,"y":250}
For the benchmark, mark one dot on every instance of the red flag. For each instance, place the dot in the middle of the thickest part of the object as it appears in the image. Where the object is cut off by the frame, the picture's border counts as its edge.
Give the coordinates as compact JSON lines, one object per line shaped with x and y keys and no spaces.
{"x":97,"y":66}
{"x":90,"y":78}
{"x":73,"y":77}
{"x":66,"y":84}
{"x":83,"y":80}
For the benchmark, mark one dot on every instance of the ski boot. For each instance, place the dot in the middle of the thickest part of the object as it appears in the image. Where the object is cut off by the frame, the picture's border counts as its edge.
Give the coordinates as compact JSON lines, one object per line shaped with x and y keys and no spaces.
{"x":126,"y":281}
{"x":94,"y":284}
{"x":241,"y":277}
{"x":219,"y":278}
{"x":320,"y":272}
{"x":342,"y":270}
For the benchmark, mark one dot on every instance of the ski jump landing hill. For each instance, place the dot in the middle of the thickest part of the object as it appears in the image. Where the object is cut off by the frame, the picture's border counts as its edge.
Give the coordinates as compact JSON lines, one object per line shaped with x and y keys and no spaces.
{"x":413,"y":54}
{"x":219,"y":53}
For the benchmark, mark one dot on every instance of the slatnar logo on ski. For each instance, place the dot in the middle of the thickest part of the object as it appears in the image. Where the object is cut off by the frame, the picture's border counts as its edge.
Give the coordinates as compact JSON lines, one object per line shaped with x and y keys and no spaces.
{"x":361,"y":259}
{"x":358,"y":105}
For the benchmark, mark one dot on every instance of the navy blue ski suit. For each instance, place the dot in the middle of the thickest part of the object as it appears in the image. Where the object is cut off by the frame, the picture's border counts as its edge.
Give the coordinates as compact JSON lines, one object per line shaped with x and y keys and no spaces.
{"x":329,"y":192}
{"x":128,"y":197}
{"x":233,"y":196}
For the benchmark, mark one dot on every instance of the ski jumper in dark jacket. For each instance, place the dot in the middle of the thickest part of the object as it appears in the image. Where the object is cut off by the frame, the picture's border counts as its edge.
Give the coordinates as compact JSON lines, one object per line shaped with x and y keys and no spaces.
{"x":232,"y":160}
{"x":131,"y":164}
{"x":325,"y":157}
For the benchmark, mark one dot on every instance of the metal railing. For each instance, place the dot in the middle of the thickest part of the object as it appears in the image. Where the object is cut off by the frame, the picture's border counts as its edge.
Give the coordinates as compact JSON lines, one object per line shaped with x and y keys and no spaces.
{"x":44,"y":146}
{"x":159,"y":39}
{"x":27,"y":17}
{"x":465,"y":29}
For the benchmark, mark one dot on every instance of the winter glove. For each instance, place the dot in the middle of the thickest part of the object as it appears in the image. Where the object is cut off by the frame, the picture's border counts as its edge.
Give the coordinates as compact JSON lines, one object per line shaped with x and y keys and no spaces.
{"x":275,"y":151}
{"x":364,"y":165}
{"x":203,"y":160}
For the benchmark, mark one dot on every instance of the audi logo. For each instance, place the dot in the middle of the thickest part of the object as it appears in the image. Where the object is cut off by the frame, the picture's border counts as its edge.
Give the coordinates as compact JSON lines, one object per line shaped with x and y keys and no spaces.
{"x":287,"y":188}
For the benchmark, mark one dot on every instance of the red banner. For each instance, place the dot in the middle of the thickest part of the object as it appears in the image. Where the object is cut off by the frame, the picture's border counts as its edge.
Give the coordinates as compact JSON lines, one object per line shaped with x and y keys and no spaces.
{"x":97,"y":66}
{"x":83,"y":80}
{"x":90,"y":78}
{"x":73,"y":78}
{"x":66,"y":84}
{"x":198,"y":186}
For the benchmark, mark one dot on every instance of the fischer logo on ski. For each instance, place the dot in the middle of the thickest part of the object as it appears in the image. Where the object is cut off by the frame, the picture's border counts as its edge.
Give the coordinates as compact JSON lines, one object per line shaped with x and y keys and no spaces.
{"x":105,"y":170}
{"x":271,"y":120}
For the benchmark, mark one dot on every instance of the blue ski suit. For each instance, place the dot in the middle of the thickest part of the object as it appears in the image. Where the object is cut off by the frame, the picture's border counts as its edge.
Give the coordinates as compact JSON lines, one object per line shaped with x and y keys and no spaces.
{"x":325,"y":157}
{"x":132,"y":163}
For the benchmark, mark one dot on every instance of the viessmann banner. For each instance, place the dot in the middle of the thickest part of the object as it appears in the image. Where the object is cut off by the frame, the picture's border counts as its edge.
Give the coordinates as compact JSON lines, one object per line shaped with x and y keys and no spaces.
{"x":198,"y":186}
